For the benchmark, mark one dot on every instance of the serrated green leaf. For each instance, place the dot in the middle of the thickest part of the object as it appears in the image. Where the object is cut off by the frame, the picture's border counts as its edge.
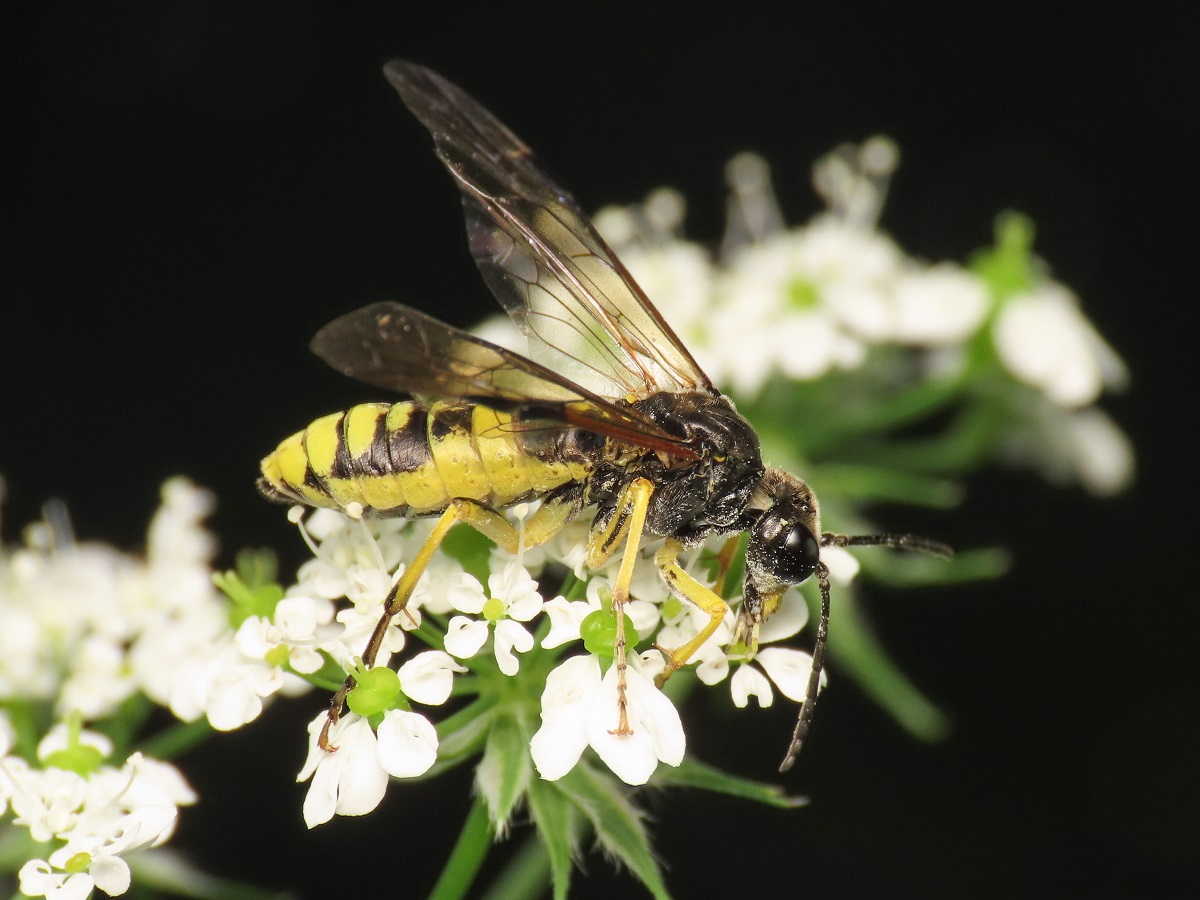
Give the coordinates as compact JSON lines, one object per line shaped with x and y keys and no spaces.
{"x":558,"y":829}
{"x":504,"y":772}
{"x":617,"y":823}
{"x":695,"y":774}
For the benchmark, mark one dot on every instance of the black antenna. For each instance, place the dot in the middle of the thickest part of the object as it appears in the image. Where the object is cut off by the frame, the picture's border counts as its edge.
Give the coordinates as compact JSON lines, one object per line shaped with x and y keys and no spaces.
{"x":829,"y":539}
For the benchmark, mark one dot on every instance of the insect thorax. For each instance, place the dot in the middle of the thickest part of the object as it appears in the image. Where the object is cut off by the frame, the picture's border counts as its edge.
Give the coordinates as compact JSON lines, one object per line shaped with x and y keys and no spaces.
{"x":693,"y":498}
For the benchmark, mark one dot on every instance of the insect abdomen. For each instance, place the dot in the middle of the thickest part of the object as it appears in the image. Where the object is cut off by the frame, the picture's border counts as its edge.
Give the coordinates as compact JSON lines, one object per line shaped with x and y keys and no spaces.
{"x":411,"y":459}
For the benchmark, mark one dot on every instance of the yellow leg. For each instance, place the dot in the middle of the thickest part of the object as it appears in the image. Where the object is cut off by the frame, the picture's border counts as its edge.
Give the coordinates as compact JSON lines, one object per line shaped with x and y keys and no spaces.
{"x":540,"y":527}
{"x":628,"y":521}
{"x":686,"y":587}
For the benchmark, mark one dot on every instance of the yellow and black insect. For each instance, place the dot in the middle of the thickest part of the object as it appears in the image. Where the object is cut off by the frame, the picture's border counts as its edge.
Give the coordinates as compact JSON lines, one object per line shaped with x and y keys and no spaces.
{"x":611,"y":411}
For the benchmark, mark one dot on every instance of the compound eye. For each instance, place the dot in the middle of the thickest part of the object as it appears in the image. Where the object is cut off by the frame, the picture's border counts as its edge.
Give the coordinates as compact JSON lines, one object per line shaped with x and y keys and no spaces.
{"x":796,"y":554}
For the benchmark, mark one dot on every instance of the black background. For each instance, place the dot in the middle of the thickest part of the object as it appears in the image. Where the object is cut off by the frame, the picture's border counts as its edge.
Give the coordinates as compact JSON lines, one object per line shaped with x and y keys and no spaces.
{"x":196,"y":188}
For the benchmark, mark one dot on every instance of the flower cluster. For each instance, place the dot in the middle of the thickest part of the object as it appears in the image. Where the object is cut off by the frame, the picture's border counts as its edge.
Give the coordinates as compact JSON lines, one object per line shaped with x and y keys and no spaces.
{"x":496,"y":639}
{"x":87,"y":634}
{"x":86,"y":627}
{"x":93,"y":814}
{"x":838,"y":296}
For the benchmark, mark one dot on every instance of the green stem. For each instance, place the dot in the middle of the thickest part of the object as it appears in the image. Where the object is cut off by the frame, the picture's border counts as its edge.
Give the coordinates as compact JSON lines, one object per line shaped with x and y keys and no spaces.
{"x":466,"y":857}
{"x":527,"y":874}
{"x":177,"y":739}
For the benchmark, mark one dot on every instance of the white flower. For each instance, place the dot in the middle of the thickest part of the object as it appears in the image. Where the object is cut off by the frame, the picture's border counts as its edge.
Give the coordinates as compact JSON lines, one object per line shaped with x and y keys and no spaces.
{"x":937,"y":305}
{"x":789,"y":669}
{"x":408,"y":743}
{"x":100,"y":818}
{"x":38,"y":879}
{"x":804,"y":301}
{"x":579,"y":708}
{"x":428,"y":677}
{"x":351,"y":780}
{"x":1066,"y":446}
{"x":514,"y":599}
{"x":567,"y":615}
{"x":1046,"y":342}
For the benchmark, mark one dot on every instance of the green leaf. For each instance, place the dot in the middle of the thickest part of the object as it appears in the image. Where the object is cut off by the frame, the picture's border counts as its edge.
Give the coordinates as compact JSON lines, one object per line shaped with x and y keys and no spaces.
{"x":918,"y":569}
{"x":252,"y":586}
{"x":559,"y":830}
{"x":504,"y":772}
{"x":878,"y":483}
{"x":695,"y":774}
{"x":616,"y":821}
{"x":462,"y":735}
{"x":1009,"y":266}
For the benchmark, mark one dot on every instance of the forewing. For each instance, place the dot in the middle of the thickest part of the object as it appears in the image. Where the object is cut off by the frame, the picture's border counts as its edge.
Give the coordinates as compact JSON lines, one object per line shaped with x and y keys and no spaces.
{"x":400,"y":349}
{"x":539,"y":253}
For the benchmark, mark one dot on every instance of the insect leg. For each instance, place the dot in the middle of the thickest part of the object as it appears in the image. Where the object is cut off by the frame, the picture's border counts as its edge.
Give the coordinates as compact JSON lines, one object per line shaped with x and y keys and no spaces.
{"x":685,"y":587}
{"x":628,"y":520}
{"x":540,"y":527}
{"x":395,"y":602}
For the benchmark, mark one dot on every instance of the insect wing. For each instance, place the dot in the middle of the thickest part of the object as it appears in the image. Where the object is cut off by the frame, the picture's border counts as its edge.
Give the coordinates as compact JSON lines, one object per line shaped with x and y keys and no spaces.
{"x":539,"y":253}
{"x":400,"y":349}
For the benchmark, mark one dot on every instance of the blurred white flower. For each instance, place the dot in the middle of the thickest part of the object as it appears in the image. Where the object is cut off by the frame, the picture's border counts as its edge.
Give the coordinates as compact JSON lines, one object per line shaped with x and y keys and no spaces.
{"x":1046,"y":342}
{"x":937,"y":305}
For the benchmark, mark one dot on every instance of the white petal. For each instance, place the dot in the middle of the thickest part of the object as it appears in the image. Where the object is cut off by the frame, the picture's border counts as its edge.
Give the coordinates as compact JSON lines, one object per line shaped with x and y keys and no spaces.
{"x":465,"y":636}
{"x":1045,"y":341}
{"x":713,"y":667}
{"x":466,"y":594}
{"x":645,"y":615}
{"x":656,"y":730}
{"x":570,"y":690}
{"x":428,"y":677}
{"x":657,"y":714}
{"x":1103,"y":454}
{"x":350,"y":781}
{"x":565,"y":616}
{"x":111,"y":874}
{"x":511,"y":636}
{"x":235,"y":696}
{"x":748,"y":682}
{"x":843,"y":565}
{"x":791,"y":616}
{"x":942,"y":304}
{"x":789,"y":669}
{"x":408,"y":743}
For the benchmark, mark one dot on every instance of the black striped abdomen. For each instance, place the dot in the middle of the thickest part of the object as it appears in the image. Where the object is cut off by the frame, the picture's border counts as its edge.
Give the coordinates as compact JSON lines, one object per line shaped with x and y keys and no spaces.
{"x":412,"y":458}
